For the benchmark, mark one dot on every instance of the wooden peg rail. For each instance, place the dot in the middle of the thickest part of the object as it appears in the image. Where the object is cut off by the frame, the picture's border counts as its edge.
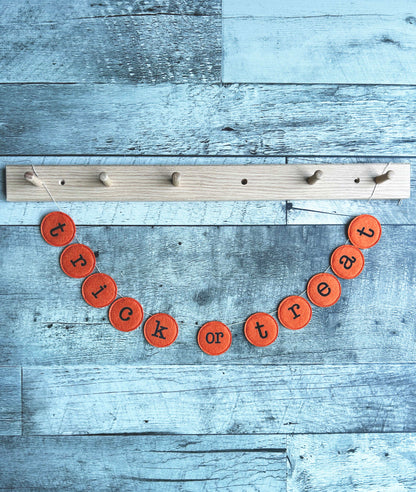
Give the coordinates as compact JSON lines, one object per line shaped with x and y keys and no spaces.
{"x":205,"y":183}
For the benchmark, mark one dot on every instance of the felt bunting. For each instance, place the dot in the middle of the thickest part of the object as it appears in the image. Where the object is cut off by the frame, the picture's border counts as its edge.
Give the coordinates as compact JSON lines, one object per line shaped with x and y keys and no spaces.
{"x":214,"y":337}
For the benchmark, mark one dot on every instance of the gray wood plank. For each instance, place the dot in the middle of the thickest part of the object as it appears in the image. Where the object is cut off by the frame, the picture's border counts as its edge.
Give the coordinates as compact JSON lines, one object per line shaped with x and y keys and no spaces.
{"x":10,"y":401}
{"x":202,"y":273}
{"x":144,"y":463}
{"x":166,"y":119}
{"x":341,"y":211}
{"x":125,"y":42}
{"x":330,"y":41}
{"x":351,"y":462}
{"x":219,"y":399}
{"x":153,"y":213}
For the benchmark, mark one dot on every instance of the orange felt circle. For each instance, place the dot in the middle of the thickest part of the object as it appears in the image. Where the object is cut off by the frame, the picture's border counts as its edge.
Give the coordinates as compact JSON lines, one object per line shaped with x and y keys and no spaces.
{"x":160,"y":330}
{"x":125,"y":314}
{"x":347,"y":261}
{"x":364,"y":231}
{"x":294,"y":312}
{"x":324,"y":290}
{"x":99,"y":290}
{"x":77,"y":260}
{"x":57,"y":229}
{"x":261,"y":329}
{"x":214,"y":338}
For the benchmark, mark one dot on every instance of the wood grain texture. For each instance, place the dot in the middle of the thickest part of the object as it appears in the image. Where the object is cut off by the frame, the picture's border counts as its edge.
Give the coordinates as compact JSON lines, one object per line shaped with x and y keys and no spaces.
{"x":144,"y":463}
{"x":207,"y":213}
{"x":204,"y":273}
{"x":360,"y":462}
{"x":207,"y":182}
{"x":340,"y":211}
{"x":357,"y":42}
{"x":168,"y":119}
{"x":219,"y":399}
{"x":43,"y":11}
{"x":10,"y":401}
{"x":125,"y":42}
{"x":143,"y":213}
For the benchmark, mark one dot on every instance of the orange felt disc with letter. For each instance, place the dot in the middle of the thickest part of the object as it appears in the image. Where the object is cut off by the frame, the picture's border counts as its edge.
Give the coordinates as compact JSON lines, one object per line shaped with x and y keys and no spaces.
{"x":125,"y":314}
{"x":161,"y":330}
{"x":324,"y":290}
{"x":99,"y":290}
{"x":77,"y":260}
{"x":261,"y":329}
{"x":364,"y":231}
{"x":57,"y":229}
{"x":214,"y":338}
{"x":294,"y":312}
{"x":347,"y":261}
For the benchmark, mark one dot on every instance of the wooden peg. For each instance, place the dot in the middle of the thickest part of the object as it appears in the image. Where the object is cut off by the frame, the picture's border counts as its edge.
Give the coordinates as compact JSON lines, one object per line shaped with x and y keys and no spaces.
{"x":33,"y":179}
{"x":105,"y":180}
{"x":176,"y":179}
{"x":315,"y":177}
{"x":384,"y":177}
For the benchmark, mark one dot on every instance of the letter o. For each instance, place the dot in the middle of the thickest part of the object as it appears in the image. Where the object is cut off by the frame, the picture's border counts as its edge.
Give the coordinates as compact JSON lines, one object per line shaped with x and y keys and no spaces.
{"x":212,"y":337}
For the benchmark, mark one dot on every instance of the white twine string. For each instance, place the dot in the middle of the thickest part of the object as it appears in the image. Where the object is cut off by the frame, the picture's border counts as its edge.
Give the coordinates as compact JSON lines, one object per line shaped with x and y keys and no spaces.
{"x":235,"y":323}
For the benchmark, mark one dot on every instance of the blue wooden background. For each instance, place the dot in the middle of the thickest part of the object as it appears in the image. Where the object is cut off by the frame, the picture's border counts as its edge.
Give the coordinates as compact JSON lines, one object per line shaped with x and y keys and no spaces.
{"x":85,"y":407}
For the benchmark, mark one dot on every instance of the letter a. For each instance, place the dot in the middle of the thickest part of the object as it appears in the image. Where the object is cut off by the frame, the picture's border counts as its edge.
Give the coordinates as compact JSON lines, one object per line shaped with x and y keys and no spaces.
{"x":347,"y":261}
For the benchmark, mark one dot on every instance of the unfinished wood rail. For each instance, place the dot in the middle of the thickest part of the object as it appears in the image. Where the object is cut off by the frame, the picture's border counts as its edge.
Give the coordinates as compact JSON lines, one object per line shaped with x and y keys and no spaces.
{"x":208,"y":182}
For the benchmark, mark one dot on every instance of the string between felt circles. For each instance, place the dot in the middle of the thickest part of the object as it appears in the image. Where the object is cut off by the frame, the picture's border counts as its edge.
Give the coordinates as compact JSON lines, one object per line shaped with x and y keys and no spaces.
{"x":235,"y":323}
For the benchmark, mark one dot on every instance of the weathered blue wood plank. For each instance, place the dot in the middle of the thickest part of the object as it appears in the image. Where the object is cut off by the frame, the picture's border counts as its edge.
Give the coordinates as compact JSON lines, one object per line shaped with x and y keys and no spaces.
{"x":168,"y":119}
{"x":352,"y":462}
{"x":340,"y":211}
{"x":356,"y":42}
{"x":219,"y":399}
{"x":43,"y":11}
{"x":10,"y":401}
{"x":154,"y":213}
{"x":125,"y":42}
{"x":144,"y":463}
{"x":199,"y":274}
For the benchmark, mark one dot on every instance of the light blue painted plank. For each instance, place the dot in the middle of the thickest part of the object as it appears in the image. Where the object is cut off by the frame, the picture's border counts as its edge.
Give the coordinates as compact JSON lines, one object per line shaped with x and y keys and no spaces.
{"x":219,"y":399}
{"x":144,"y":463}
{"x":144,"y":213}
{"x":356,"y":42}
{"x":302,"y":8}
{"x":360,"y":462}
{"x":202,"y":273}
{"x":167,"y":119}
{"x":341,"y":211}
{"x":10,"y":401}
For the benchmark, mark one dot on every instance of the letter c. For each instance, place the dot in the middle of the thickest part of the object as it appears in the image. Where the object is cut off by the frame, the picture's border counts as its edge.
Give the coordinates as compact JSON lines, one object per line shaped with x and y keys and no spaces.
{"x":129,"y":311}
